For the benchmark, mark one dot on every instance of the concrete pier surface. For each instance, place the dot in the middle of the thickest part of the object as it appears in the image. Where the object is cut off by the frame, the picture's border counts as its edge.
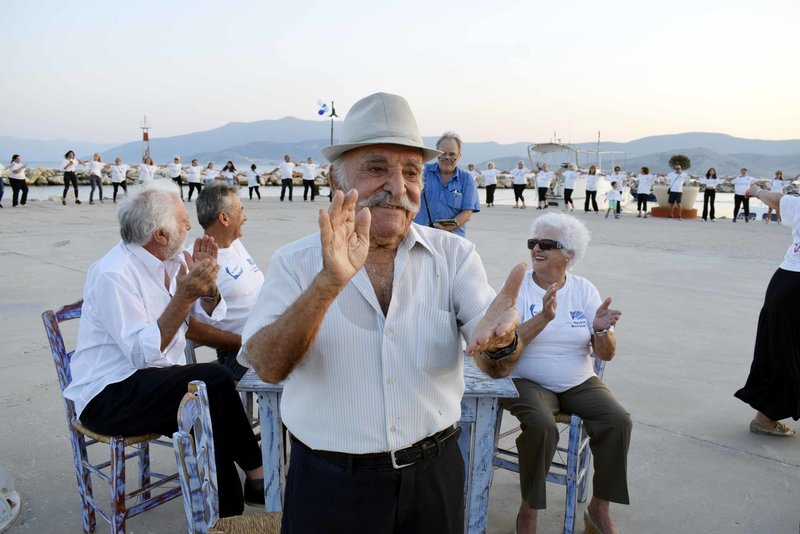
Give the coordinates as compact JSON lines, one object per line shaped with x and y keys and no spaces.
{"x":690,"y":293}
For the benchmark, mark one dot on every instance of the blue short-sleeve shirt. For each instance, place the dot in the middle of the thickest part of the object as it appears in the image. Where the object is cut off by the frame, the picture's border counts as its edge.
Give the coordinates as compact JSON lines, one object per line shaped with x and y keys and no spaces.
{"x":447,"y":201}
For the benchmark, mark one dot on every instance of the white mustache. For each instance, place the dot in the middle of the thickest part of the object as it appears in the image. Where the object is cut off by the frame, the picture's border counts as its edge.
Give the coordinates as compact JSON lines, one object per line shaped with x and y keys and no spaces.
{"x":384,"y":199}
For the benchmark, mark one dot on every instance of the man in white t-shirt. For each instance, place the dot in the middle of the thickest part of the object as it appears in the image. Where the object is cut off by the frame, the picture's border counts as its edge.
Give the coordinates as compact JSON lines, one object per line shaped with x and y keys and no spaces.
{"x":286,"y":168}
{"x":490,"y":182}
{"x":675,"y":179}
{"x":221,"y":214}
{"x":309,"y":169}
{"x":740,"y":199}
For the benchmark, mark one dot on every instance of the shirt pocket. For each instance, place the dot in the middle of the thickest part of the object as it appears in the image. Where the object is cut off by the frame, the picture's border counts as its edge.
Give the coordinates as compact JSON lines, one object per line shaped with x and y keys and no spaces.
{"x":438,"y":344}
{"x":455,"y":199}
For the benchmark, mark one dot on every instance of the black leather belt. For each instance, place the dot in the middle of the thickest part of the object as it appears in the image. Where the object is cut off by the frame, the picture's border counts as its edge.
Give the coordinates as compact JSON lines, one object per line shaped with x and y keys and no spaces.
{"x":422,"y":450}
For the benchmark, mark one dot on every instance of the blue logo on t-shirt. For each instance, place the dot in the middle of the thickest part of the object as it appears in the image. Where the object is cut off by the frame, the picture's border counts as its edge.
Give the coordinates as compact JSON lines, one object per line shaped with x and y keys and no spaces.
{"x":235,"y":273}
{"x":577,"y":315}
{"x":533,"y":310}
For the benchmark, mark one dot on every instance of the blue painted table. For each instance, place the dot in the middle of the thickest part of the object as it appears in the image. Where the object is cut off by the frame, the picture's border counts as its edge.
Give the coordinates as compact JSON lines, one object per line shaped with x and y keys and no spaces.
{"x":479,"y":408}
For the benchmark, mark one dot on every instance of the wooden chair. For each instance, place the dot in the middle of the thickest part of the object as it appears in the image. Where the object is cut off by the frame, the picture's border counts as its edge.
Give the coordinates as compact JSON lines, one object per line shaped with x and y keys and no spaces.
{"x":194,"y":450}
{"x":572,"y":463}
{"x":119,"y":511}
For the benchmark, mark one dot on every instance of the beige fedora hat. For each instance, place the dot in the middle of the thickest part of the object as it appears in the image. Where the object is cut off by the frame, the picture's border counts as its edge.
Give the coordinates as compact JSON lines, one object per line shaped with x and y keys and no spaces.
{"x":381,"y":118}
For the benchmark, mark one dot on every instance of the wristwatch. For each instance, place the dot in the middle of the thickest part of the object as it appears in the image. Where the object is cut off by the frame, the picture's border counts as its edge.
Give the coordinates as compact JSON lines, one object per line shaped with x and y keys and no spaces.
{"x":506,"y":351}
{"x":600,"y":333}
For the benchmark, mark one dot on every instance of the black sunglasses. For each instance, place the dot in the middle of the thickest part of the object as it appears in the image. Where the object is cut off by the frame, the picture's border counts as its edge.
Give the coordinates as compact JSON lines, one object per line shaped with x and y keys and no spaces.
{"x":544,"y":244}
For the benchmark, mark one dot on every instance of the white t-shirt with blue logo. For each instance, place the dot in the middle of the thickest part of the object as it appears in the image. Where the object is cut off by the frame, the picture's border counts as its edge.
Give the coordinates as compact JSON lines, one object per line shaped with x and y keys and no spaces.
{"x":559,"y":357}
{"x":790,"y":216}
{"x":239,"y":280}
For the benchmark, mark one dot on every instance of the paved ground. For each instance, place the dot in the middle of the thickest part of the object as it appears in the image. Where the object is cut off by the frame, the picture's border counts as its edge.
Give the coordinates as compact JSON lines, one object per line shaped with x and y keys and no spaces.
{"x":690,"y":294}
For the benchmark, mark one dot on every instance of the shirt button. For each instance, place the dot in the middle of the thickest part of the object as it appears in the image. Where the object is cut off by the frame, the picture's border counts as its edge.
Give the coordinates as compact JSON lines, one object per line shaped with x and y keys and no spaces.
{"x":392,"y":429}
{"x":390,"y":381}
{"x":388,"y":332}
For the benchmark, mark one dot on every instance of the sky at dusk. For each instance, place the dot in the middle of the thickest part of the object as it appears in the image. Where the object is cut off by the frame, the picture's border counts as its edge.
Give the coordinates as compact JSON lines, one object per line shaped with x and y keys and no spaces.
{"x":505,"y":71}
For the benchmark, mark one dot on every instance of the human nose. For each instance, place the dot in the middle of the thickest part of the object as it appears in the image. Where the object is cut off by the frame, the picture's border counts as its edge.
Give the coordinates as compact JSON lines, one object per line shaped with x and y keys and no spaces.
{"x":395,"y":183}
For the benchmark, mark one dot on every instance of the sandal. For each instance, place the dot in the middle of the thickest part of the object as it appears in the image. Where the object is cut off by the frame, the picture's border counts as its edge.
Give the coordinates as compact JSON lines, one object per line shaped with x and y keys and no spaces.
{"x":589,"y":525}
{"x":778,"y":430}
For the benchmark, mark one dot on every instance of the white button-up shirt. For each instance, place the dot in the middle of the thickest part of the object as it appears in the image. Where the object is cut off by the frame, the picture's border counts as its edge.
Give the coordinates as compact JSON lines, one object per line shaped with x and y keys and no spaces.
{"x":118,"y":334}
{"x":369,"y":382}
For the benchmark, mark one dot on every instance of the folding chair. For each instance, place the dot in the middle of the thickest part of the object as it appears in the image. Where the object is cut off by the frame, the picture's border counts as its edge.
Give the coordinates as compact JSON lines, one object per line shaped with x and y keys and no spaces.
{"x":119,"y":511}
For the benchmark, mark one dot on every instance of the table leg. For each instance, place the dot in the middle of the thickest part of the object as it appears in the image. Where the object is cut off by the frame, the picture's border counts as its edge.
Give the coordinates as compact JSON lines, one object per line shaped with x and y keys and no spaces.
{"x":480,"y":466}
{"x":272,"y":453}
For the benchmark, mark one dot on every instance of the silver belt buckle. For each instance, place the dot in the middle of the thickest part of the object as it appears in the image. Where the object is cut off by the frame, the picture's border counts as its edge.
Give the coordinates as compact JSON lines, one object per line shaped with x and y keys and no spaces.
{"x":394,"y":460}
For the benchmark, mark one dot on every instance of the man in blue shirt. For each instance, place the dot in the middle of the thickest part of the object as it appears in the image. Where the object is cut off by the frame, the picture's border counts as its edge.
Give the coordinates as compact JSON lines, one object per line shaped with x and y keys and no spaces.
{"x":450,"y":193}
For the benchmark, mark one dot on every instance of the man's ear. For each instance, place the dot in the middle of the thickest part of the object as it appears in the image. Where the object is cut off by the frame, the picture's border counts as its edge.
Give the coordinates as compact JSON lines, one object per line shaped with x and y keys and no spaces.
{"x":160,"y":237}
{"x":222,"y":217}
{"x":332,"y":182}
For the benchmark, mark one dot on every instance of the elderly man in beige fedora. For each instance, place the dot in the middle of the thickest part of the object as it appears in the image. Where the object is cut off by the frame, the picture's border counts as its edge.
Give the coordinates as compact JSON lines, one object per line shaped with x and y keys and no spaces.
{"x":364,"y":322}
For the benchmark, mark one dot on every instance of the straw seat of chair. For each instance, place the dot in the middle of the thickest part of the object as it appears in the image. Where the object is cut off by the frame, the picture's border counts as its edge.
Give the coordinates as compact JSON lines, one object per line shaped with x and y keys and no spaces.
{"x":130,"y":440}
{"x":266,"y":523}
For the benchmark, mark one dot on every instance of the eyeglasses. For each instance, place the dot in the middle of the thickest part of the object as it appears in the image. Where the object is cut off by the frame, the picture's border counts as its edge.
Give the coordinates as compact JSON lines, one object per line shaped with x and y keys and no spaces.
{"x":449,"y":156}
{"x":545,"y":244}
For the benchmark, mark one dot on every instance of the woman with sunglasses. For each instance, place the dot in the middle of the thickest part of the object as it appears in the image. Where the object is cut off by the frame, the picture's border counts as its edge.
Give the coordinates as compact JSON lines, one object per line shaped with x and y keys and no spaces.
{"x":564,"y":322}
{"x":773,"y":386}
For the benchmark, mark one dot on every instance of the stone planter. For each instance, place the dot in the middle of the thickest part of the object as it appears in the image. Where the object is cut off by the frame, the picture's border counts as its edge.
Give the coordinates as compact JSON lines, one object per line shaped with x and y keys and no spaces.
{"x":688,"y":198}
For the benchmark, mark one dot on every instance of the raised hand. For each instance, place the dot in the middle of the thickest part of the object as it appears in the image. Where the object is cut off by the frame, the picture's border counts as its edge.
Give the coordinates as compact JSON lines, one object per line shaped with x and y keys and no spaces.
{"x":345,"y":237}
{"x":550,"y":303}
{"x":199,"y":280}
{"x":605,"y":318}
{"x":204,"y":248}
{"x":498,"y":326}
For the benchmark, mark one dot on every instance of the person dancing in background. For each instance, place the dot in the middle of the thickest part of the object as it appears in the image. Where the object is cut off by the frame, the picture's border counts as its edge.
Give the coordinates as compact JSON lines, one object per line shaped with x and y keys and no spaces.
{"x":519,"y":183}
{"x":309,"y":169}
{"x":644,"y":186}
{"x":773,"y":386}
{"x":16,"y":178}
{"x":711,"y":182}
{"x":490,"y":182}
{"x":148,"y":170}
{"x":253,"y":181}
{"x":69,"y":165}
{"x":211,"y":173}
{"x":570,"y":176}
{"x":193,"y":178}
{"x":96,"y":167}
{"x":740,"y":199}
{"x":175,"y":168}
{"x":286,"y":168}
{"x":544,"y":179}
{"x":119,"y":178}
{"x":228,"y":173}
{"x":591,"y":190}
{"x":775,"y":186}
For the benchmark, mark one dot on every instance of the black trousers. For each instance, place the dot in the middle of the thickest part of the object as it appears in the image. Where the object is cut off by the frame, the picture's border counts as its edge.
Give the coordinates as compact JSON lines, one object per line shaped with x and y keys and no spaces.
{"x":179,"y":183}
{"x":424,"y":498}
{"x":568,"y":197}
{"x":192,"y":187}
{"x":741,"y":201}
{"x":16,"y":187}
{"x":542,"y":194}
{"x":307,"y":184}
{"x":641,"y":202}
{"x":254,"y":188}
{"x":116,"y":186}
{"x":147,"y":402}
{"x":518,"y":189}
{"x":490,"y":193}
{"x":708,"y":199}
{"x":227,"y":357}
{"x":286,"y":183}
{"x":70,"y":178}
{"x":590,"y":195}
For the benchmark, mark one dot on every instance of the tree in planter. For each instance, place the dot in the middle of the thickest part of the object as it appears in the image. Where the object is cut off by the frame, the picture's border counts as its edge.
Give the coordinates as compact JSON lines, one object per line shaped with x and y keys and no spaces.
{"x":680,"y":159}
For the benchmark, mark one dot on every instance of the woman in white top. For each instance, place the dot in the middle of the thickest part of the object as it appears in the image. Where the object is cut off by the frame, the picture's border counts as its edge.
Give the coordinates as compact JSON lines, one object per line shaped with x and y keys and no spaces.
{"x":773,"y":385}
{"x":175,"y":169}
{"x":253,"y":181}
{"x":211,"y":173}
{"x":16,"y":178}
{"x":148,"y":170}
{"x":119,"y":176}
{"x":490,"y":182}
{"x":591,"y":190}
{"x":775,"y":186}
{"x":711,"y":182}
{"x":544,"y":179}
{"x":228,"y":173}
{"x":564,"y":322}
{"x":309,"y":169}
{"x":519,"y":182}
{"x":569,"y":185}
{"x":70,"y":165}
{"x":644,"y":186}
{"x":96,"y":167}
{"x":193,"y":177}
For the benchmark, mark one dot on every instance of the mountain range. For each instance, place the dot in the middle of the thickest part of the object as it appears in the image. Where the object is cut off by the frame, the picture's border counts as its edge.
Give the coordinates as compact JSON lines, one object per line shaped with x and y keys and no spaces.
{"x":267,"y":141}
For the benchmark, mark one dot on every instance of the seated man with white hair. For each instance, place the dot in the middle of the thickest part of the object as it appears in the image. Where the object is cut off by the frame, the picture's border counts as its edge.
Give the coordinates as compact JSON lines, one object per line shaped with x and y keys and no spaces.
{"x":128,"y":372}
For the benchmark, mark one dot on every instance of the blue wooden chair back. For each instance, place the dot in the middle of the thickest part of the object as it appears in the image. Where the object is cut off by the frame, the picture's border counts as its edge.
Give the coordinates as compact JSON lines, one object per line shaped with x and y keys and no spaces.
{"x":194,"y":450}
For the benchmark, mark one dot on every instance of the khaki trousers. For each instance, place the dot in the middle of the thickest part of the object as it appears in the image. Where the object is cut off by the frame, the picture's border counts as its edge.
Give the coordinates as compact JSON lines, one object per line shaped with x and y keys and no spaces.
{"x":607,"y":423}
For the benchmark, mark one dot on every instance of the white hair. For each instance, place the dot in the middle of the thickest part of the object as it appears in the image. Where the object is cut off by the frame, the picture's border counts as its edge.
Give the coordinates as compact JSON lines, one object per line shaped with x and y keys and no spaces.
{"x":569,"y":231}
{"x":149,"y":210}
